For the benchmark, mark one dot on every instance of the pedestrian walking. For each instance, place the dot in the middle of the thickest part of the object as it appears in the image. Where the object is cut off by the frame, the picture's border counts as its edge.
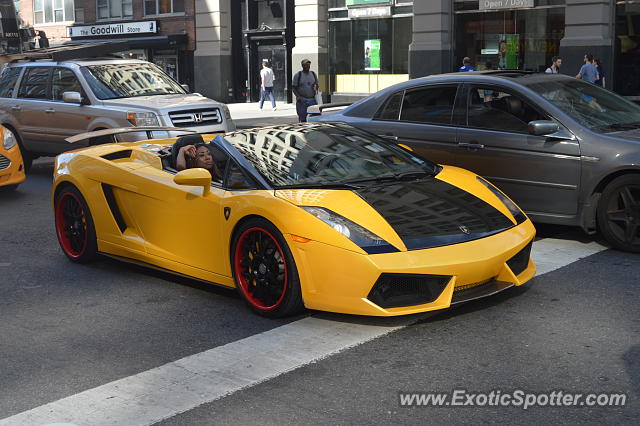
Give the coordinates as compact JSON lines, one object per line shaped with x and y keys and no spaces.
{"x":466,"y":65}
{"x":556,"y":62}
{"x":266,"y":84}
{"x":305,"y":86}
{"x":588,"y":72}
{"x":600,"y":81}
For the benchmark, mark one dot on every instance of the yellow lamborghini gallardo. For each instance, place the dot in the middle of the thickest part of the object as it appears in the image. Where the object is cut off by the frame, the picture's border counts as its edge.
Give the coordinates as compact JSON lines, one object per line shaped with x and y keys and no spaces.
{"x":11,"y":164}
{"x":322,"y":216}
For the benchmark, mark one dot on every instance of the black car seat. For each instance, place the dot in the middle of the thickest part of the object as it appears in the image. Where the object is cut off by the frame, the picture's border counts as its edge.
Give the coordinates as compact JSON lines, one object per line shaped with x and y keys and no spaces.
{"x":183,"y":141}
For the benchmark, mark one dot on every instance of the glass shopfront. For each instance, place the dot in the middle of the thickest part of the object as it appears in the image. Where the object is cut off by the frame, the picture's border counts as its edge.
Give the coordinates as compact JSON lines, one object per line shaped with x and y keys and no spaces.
{"x":627,"y":49}
{"x":368,"y":44}
{"x":523,"y":39}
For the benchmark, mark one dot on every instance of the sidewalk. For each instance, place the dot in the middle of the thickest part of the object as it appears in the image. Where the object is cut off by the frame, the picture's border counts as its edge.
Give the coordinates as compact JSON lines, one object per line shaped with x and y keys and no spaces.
{"x":240,"y":111}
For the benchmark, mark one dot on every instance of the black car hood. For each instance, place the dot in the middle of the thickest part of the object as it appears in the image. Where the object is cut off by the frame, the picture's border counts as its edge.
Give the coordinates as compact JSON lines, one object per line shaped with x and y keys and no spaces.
{"x":431,"y":213}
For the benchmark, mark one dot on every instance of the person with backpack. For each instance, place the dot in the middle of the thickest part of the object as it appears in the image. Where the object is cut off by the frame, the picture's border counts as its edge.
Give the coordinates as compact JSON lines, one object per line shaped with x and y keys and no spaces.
{"x":305,"y":87}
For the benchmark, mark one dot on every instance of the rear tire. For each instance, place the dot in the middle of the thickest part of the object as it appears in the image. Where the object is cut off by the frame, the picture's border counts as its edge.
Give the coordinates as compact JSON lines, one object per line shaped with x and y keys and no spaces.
{"x":264,"y":270}
{"x":74,"y":226}
{"x":619,"y":213}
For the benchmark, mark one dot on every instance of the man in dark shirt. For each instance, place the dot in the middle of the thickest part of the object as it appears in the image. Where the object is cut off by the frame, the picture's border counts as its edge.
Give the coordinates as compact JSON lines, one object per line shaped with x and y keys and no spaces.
{"x":305,"y":87}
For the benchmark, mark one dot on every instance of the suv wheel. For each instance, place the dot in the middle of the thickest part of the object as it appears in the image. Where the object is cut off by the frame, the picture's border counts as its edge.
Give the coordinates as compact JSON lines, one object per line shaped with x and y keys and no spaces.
{"x":619,"y":213}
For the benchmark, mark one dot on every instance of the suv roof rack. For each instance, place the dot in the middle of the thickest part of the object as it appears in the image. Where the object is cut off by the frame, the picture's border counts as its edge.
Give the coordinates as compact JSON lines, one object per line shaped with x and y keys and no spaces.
{"x":69,"y":51}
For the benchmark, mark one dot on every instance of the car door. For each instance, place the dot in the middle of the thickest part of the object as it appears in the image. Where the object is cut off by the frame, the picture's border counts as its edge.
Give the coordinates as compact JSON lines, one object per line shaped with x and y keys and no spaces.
{"x":421,"y":118}
{"x":177,"y":222}
{"x":541,"y":174}
{"x":67,"y":119}
{"x":29,"y":109}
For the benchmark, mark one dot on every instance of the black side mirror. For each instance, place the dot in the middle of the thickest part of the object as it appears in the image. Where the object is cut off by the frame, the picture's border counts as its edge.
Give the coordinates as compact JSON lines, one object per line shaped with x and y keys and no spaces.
{"x":543,"y":127}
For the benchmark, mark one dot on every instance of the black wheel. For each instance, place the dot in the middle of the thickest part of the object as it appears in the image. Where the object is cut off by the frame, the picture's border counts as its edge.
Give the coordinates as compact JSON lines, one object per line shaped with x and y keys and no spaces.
{"x":9,"y":188}
{"x":619,"y":213}
{"x":264,"y":270}
{"x":74,"y":226}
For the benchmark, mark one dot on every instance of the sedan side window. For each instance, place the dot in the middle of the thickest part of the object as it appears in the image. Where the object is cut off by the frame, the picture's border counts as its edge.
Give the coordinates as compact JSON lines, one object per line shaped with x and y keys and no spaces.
{"x":494,"y":109}
{"x":391,"y":109}
{"x":8,"y":79}
{"x":63,"y":80}
{"x":34,"y":83}
{"x":431,"y":105}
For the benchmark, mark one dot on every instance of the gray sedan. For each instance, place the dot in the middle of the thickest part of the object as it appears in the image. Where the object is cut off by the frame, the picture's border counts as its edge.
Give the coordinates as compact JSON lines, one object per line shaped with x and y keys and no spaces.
{"x":566,"y":151}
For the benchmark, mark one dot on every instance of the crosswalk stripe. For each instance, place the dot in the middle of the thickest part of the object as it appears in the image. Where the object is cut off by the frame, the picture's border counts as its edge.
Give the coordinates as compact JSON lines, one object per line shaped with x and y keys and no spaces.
{"x":179,"y":386}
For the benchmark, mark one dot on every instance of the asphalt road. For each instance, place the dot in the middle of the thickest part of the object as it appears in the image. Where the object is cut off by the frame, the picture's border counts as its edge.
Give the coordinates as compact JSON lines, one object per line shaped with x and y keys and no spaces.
{"x":67,"y":328}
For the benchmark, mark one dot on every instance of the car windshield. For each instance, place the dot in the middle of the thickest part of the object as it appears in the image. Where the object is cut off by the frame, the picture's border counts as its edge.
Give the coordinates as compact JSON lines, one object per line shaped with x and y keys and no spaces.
{"x":592,"y":106}
{"x":326,"y":155}
{"x":112,"y":81}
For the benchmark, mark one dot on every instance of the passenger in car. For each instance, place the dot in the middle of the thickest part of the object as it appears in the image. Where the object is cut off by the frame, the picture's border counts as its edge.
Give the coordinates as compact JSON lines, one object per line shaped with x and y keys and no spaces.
{"x":198,"y":155}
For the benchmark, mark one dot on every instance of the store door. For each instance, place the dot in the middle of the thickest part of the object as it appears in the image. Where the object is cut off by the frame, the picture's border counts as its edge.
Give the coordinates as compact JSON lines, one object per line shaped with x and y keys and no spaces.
{"x":276,"y":55}
{"x":169,"y":65}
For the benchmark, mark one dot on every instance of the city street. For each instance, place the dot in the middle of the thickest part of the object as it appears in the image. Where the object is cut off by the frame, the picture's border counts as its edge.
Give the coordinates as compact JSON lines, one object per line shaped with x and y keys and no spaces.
{"x":114,"y":343}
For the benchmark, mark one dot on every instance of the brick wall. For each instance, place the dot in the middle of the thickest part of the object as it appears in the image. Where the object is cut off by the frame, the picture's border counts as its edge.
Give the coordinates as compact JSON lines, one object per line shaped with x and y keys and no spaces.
{"x":167,"y":25}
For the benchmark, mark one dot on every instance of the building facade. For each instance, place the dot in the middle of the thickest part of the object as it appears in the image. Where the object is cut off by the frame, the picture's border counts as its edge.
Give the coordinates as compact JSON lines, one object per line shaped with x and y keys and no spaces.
{"x":356,"y":46}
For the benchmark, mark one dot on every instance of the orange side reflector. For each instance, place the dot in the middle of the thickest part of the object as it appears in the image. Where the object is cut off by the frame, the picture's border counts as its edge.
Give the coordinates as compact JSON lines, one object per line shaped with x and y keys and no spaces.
{"x":299,"y":239}
{"x":405,"y":146}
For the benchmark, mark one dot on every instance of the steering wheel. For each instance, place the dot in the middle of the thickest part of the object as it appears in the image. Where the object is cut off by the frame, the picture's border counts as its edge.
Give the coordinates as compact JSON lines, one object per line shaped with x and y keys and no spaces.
{"x":333,"y":162}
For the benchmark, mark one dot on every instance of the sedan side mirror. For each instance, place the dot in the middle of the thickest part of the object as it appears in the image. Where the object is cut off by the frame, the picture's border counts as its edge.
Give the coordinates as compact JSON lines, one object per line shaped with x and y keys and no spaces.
{"x":543,"y":127}
{"x":186,"y":88}
{"x":194,"y":177}
{"x":72,"y":97}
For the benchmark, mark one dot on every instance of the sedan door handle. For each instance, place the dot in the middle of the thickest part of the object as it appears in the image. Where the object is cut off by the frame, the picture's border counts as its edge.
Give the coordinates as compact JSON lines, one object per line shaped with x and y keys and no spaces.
{"x":16,"y":108}
{"x":471,"y":145}
{"x":389,"y":135}
{"x":49,"y":110}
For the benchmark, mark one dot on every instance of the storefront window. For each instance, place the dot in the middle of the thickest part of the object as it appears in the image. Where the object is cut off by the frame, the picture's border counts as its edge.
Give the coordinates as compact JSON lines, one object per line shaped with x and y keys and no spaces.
{"x":368,"y":47}
{"x":627,"y":49}
{"x":524,"y":39}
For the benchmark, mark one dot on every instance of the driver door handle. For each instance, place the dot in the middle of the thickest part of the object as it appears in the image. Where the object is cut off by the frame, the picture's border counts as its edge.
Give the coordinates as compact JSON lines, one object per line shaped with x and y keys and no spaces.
{"x":389,"y":135}
{"x":471,"y":145}
{"x":49,"y":110}
{"x":16,"y":108}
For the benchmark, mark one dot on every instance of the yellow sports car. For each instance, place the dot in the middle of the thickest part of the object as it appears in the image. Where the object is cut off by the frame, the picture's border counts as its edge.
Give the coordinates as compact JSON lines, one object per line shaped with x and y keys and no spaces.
{"x":11,"y":164}
{"x":322,"y":216}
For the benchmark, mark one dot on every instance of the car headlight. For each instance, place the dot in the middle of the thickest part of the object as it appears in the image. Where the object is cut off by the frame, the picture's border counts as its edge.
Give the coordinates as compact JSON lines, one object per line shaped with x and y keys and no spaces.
{"x":142,"y":119}
{"x":9,"y":140}
{"x":366,"y":240}
{"x":518,"y":215}
{"x":227,"y":113}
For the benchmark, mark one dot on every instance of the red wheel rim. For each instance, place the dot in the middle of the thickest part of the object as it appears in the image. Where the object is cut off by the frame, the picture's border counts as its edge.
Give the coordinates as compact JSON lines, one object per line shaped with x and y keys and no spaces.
{"x":261,"y":269}
{"x":71,"y":225}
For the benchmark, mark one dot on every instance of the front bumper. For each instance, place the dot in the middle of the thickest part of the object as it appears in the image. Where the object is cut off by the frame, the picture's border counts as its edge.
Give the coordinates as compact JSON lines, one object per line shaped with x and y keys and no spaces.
{"x":339,"y":280}
{"x":11,"y":166}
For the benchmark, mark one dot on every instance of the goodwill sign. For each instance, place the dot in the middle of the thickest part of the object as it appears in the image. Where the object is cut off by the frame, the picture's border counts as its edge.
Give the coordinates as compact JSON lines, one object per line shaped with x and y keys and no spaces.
{"x":125,"y":28}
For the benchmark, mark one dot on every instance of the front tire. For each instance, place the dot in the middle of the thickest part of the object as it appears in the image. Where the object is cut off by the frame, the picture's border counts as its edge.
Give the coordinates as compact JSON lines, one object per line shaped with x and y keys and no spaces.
{"x":264,"y":270}
{"x":619,"y":213}
{"x":74,"y":226}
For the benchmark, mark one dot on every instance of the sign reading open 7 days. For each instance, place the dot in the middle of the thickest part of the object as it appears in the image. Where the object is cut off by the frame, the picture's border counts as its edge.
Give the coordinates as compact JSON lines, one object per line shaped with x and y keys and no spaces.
{"x":359,"y":2}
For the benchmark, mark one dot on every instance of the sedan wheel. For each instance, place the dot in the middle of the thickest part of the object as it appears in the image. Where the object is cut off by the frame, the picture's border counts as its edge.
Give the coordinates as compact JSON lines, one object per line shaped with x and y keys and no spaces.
{"x":619,"y":213}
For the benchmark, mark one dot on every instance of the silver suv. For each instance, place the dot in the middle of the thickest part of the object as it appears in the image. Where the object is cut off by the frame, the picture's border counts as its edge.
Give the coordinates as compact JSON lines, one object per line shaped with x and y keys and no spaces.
{"x":44,"y":102}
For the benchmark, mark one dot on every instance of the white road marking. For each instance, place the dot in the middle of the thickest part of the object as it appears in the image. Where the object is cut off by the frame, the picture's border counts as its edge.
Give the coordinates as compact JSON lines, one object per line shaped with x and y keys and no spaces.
{"x":179,"y":386}
{"x":550,"y":254}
